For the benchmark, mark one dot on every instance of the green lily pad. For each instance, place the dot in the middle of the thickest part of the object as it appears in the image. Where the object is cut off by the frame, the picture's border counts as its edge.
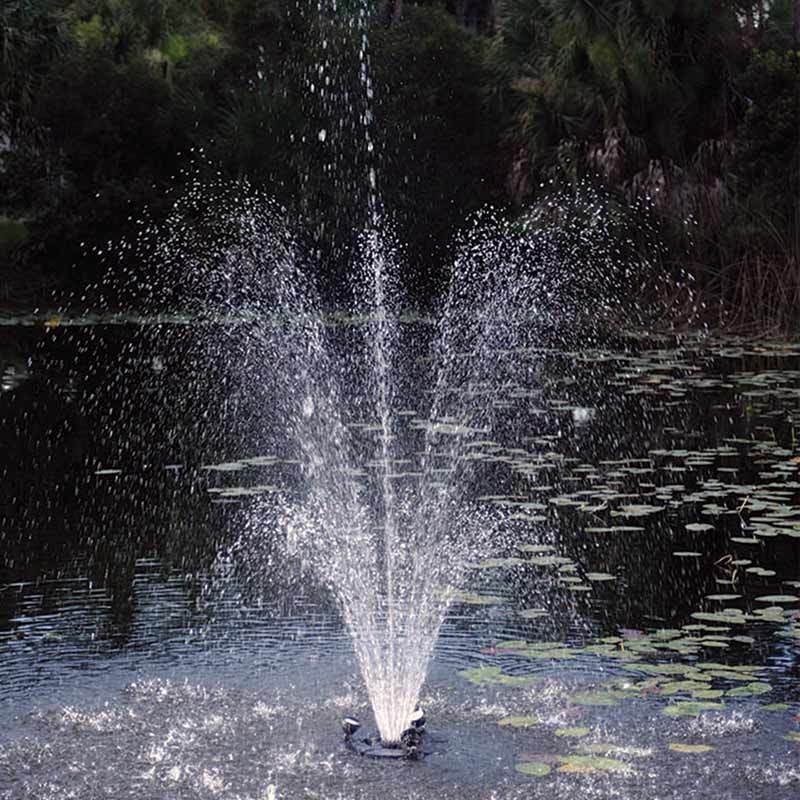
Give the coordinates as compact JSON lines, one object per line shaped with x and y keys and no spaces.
{"x":536,"y":548}
{"x":555,"y":653}
{"x":512,"y":644}
{"x":642,"y":510}
{"x":749,"y":690}
{"x":722,"y":616}
{"x":600,"y":576}
{"x":691,"y":708}
{"x":707,"y":694}
{"x":675,"y":687}
{"x":681,"y":747}
{"x":477,"y":599}
{"x":573,"y":763}
{"x":548,"y":561}
{"x":537,"y":769}
{"x":492,"y":676}
{"x":519,"y":722}
{"x":778,"y":598}
{"x":595,"y":699}
{"x":532,"y":613}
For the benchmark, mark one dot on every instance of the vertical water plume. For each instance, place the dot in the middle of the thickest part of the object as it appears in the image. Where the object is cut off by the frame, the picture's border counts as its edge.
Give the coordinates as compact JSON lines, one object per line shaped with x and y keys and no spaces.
{"x":389,"y":437}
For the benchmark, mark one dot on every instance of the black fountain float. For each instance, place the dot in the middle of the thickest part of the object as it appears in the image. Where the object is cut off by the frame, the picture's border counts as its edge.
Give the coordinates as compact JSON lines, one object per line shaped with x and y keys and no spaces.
{"x":414,"y":742}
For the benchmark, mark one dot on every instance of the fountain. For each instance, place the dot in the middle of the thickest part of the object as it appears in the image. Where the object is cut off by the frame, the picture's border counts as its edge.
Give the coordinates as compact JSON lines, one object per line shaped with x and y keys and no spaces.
{"x":390,"y":431}
{"x":517,"y":517}
{"x":391,"y":423}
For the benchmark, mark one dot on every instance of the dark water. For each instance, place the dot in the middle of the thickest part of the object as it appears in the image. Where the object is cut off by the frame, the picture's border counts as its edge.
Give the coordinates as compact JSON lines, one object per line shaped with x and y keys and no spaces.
{"x":653,"y":486}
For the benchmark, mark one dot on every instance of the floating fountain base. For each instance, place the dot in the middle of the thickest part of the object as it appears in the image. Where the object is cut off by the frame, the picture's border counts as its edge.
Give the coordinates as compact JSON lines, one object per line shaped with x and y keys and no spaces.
{"x":371,"y":746}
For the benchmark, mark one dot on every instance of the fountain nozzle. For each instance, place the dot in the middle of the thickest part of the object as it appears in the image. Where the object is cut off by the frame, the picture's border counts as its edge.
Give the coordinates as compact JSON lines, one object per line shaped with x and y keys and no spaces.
{"x":417,"y":721}
{"x":410,"y":746}
{"x":350,"y":725}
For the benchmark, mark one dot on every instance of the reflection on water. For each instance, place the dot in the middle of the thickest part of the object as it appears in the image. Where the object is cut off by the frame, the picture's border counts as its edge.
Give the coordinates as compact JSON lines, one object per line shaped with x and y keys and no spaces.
{"x":644,"y":600}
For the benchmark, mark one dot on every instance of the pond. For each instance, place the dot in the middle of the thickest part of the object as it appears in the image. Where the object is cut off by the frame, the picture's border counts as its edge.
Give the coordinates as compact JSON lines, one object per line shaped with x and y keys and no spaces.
{"x":635,"y":633}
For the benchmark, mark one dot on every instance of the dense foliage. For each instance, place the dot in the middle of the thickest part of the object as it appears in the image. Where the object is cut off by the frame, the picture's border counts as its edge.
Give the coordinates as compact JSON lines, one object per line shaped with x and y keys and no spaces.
{"x":694,"y":103}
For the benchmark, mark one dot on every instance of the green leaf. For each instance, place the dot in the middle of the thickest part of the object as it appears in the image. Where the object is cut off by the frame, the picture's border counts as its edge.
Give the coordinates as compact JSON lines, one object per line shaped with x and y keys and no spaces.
{"x":537,"y":769}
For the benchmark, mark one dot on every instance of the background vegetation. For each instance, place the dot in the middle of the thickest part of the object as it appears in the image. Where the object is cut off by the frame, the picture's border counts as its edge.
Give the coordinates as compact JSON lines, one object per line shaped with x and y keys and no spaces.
{"x":693,"y":103}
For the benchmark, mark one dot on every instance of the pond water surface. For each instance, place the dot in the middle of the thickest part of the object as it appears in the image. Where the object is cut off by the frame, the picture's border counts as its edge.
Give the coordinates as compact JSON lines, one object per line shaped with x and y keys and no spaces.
{"x":637,"y":636}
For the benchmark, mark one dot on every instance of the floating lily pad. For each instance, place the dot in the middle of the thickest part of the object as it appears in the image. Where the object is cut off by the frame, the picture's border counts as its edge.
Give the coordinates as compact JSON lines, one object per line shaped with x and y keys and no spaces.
{"x":676,"y":687}
{"x":641,"y":510}
{"x":512,"y":644}
{"x":707,"y":694}
{"x":536,"y":548}
{"x":532,"y":613}
{"x":519,"y":722}
{"x":778,"y":598}
{"x":490,"y":676}
{"x":691,"y":708}
{"x":537,"y":769}
{"x":555,"y":653}
{"x":681,"y":747}
{"x":595,"y":699}
{"x":573,"y":763}
{"x":600,"y":576}
{"x":749,"y":690}
{"x":547,"y":561}
{"x":722,"y":616}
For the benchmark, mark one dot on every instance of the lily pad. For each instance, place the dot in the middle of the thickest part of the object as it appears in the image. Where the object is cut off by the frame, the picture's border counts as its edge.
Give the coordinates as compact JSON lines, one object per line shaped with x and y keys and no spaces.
{"x":477,"y":599}
{"x":681,"y":747}
{"x":749,"y":690}
{"x":574,"y":763}
{"x":519,"y":722}
{"x":778,"y":598}
{"x":492,"y":676}
{"x":595,"y":699}
{"x":537,"y":769}
{"x":532,"y":613}
{"x":600,"y":576}
{"x":691,"y":708}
